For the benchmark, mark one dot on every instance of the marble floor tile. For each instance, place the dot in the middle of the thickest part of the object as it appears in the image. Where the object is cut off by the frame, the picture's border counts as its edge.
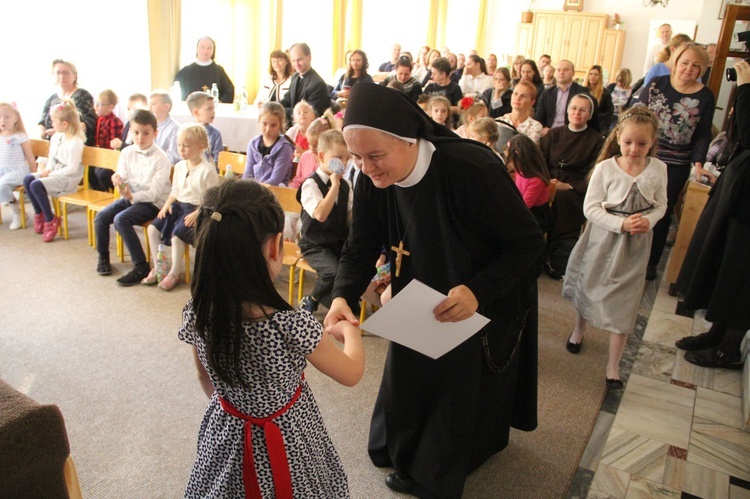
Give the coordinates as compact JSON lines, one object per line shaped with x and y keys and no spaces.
{"x":704,"y":482}
{"x":656,"y":410}
{"x":673,"y":472}
{"x":635,"y":454}
{"x":641,"y":488}
{"x":581,"y":483}
{"x":718,"y":407}
{"x":728,"y":381}
{"x":720,"y":448}
{"x":665,"y":328}
{"x":665,"y":303}
{"x":688,"y":373}
{"x":655,"y":361}
{"x":593,"y":451}
{"x":609,"y":482}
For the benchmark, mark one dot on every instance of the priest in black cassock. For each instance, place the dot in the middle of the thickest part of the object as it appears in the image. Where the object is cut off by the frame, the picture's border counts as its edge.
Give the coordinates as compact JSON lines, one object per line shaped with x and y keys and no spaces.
{"x":204,"y":72}
{"x":452,"y":206}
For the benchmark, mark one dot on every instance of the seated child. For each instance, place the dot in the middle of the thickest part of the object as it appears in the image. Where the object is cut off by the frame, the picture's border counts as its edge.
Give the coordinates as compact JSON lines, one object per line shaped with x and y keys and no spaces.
{"x":142,"y":177}
{"x":16,"y":158}
{"x":63,"y":170}
{"x":160,"y":103}
{"x":326,"y":217}
{"x":531,"y":177}
{"x":108,"y":128}
{"x":308,"y":162}
{"x":474,"y":110}
{"x":423,"y":101}
{"x":304,"y":114}
{"x":439,"y":109}
{"x":135,"y":101}
{"x":175,"y":224}
{"x":484,"y":130}
{"x":202,"y":107}
{"x":269,"y":155}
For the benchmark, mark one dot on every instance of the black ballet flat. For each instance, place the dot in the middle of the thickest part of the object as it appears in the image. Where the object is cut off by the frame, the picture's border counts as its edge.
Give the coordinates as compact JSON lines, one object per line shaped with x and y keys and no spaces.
{"x":573,"y":347}
{"x":615,"y":384}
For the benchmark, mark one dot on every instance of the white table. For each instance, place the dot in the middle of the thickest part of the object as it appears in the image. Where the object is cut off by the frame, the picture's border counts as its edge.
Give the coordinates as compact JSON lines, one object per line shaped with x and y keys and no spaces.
{"x":237,"y":128}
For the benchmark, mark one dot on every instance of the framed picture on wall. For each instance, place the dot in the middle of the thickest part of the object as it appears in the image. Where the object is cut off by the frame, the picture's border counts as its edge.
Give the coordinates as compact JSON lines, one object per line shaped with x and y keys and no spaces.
{"x":724,"y":4}
{"x":575,"y":5}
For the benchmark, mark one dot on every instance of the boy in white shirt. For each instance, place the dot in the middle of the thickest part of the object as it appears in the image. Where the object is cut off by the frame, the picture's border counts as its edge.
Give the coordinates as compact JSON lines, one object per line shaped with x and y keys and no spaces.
{"x":160,"y":103}
{"x":142,"y":177}
{"x":326,"y":200}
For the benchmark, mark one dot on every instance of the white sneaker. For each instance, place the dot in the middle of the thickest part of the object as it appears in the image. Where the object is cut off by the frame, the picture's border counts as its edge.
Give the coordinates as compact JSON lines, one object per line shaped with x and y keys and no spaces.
{"x":16,"y":223}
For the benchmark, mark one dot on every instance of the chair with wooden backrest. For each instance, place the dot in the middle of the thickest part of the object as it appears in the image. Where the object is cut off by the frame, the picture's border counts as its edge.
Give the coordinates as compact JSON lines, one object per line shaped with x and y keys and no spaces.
{"x":38,"y":148}
{"x":235,"y":160}
{"x":292,"y":255}
{"x":92,"y":156}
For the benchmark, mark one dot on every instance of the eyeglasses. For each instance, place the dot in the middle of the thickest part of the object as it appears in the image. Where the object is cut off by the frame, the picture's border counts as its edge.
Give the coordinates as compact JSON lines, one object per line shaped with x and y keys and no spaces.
{"x":582,"y":109}
{"x":64,"y":72}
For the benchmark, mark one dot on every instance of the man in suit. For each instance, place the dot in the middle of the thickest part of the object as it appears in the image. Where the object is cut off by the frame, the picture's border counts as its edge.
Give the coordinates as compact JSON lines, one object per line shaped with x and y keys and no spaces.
{"x":552,"y":105}
{"x":306,"y":83}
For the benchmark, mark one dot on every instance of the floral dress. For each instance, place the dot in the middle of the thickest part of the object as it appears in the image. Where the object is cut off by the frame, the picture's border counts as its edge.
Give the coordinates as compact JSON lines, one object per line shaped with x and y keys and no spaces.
{"x":272,"y":362}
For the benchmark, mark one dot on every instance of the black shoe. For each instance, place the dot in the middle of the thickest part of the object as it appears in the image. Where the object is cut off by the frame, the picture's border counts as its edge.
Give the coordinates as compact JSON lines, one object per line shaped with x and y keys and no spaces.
{"x":700,"y":342}
{"x":552,"y":273}
{"x":103,"y":266}
{"x":573,"y":347}
{"x":400,"y":483}
{"x":615,"y":384}
{"x":714,"y":357}
{"x":651,"y":272}
{"x":135,"y":275}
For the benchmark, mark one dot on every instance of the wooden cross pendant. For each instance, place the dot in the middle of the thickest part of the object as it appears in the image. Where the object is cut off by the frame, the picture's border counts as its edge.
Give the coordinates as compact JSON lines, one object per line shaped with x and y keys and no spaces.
{"x":205,"y":88}
{"x":562,"y":163}
{"x":400,"y":252}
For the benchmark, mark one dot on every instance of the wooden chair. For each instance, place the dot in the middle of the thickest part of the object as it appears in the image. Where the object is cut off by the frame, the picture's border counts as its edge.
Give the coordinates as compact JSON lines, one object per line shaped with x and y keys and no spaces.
{"x":38,"y":148}
{"x":92,"y":156}
{"x":292,"y":254}
{"x":235,"y":160}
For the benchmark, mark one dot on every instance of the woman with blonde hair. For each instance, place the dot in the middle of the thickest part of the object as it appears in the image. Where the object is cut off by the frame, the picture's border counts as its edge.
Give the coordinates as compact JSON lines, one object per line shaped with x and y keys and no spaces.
{"x":662,"y":67}
{"x":595,"y":83}
{"x":621,"y":90}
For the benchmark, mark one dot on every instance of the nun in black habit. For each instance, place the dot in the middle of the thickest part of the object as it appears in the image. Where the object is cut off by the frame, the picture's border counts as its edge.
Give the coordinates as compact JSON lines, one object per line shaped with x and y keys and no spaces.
{"x":452,"y":206}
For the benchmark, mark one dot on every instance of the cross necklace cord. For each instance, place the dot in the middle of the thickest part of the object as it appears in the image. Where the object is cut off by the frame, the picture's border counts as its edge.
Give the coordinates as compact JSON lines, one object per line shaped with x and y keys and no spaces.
{"x":399,"y":250}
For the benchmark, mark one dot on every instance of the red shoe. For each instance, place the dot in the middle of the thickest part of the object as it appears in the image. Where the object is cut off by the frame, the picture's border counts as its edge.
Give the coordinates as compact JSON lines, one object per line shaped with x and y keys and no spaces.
{"x":50,"y":229}
{"x":38,"y":223}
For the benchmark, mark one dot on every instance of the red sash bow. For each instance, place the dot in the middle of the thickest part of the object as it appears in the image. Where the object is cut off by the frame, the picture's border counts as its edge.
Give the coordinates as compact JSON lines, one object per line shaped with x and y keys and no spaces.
{"x":282,"y":479}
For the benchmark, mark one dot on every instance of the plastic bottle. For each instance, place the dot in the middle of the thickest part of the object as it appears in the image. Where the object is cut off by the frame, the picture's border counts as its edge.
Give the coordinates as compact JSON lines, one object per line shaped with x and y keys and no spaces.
{"x":243,"y":100}
{"x":228,"y":173}
{"x":161,"y":263}
{"x":215,"y":93}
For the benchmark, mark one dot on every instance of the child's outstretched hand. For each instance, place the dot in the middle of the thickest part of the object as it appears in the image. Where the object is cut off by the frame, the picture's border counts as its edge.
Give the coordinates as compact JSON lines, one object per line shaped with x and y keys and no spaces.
{"x":190,"y":218}
{"x":341,"y":330}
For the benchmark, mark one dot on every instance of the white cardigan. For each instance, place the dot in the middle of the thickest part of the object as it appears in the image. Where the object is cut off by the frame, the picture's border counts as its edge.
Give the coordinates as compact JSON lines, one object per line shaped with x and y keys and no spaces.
{"x":64,"y":160}
{"x":610,"y":185}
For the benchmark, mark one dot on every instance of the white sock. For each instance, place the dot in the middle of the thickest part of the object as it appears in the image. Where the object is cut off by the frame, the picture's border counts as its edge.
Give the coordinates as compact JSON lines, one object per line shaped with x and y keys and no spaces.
{"x":178,"y":250}
{"x":154,"y":240}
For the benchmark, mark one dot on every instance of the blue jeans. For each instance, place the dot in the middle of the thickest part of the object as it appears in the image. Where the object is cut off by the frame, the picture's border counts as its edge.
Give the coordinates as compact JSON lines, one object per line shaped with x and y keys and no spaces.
{"x":125,"y":215}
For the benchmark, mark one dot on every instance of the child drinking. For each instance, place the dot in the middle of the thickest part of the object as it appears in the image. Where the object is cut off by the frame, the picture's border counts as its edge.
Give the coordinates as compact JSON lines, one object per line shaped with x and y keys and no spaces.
{"x":439,"y":109}
{"x":308,"y":162}
{"x":269,"y":155}
{"x":16,"y":158}
{"x":303,"y":115}
{"x":175,"y":223}
{"x":626,"y":196}
{"x":251,"y":349}
{"x":63,"y":171}
{"x":531,"y":177}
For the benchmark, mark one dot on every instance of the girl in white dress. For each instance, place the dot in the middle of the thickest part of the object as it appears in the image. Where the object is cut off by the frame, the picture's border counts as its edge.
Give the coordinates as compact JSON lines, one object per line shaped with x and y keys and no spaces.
{"x":16,"y":158}
{"x":627,"y":195}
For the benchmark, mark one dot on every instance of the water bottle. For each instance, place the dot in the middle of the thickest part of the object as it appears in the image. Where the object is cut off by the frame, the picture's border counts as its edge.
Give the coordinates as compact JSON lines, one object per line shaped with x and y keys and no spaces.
{"x":215,"y":92}
{"x":176,"y":92}
{"x":228,"y":173}
{"x":243,"y":100}
{"x":161,"y":263}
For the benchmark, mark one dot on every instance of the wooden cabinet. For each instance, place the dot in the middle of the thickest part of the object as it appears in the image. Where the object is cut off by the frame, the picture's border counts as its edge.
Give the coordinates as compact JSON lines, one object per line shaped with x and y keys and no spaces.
{"x":523,"y":39}
{"x":610,"y":55}
{"x":576,"y":36}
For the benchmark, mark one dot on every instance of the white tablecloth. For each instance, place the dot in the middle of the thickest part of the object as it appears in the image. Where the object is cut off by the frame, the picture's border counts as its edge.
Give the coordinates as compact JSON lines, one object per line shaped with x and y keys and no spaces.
{"x":236,"y":128}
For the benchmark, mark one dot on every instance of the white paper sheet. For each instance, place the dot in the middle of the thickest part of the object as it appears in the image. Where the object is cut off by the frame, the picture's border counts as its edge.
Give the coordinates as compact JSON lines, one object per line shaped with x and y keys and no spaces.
{"x":409,"y":321}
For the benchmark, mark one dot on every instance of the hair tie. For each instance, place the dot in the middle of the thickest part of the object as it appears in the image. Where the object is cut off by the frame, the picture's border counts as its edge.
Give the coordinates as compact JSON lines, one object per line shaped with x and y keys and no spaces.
{"x":466,"y":103}
{"x":14,"y":106}
{"x":60,"y":106}
{"x":216,"y":216}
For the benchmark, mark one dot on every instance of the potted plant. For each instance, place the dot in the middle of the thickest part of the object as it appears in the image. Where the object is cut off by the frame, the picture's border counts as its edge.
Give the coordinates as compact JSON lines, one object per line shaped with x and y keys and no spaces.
{"x":527,"y":15}
{"x":617,"y":21}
